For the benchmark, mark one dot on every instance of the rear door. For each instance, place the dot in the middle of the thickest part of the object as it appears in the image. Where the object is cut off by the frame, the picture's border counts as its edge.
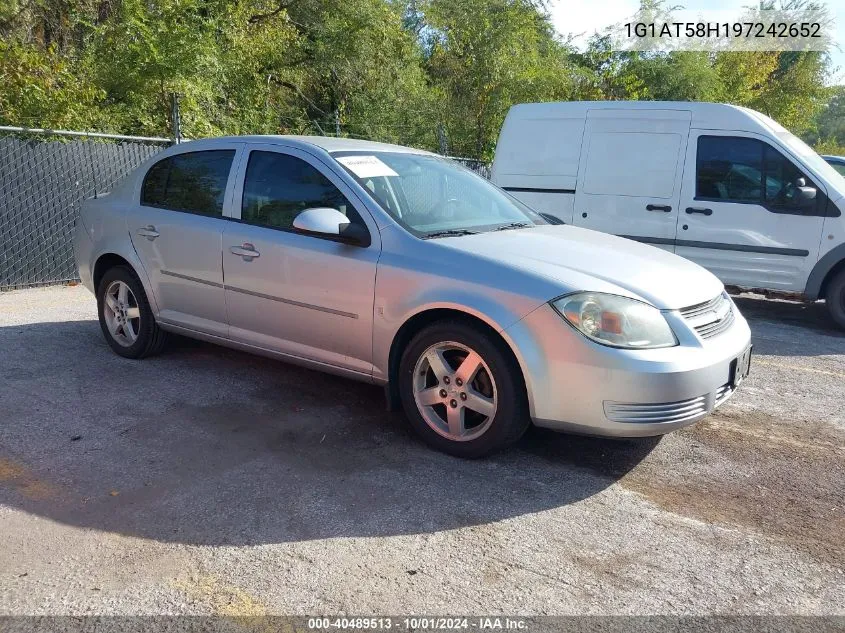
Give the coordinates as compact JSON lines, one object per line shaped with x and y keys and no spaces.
{"x":176,"y":229}
{"x":741,"y":218}
{"x":630,"y":173}
{"x":298,"y":294}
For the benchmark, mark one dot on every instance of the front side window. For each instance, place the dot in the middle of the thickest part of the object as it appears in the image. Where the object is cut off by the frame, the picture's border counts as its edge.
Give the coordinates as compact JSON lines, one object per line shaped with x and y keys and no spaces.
{"x":194,"y":182}
{"x":429,"y":195}
{"x":737,"y":169}
{"x":729,"y":168}
{"x":278,"y":187}
{"x":781,"y":176}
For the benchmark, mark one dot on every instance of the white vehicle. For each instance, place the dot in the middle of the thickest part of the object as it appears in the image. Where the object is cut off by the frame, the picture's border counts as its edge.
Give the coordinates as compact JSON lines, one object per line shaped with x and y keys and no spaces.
{"x":723,"y":186}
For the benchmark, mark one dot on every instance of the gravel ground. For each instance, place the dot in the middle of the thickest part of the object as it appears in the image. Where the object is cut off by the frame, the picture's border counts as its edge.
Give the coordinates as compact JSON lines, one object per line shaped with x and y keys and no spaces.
{"x":207,"y":481}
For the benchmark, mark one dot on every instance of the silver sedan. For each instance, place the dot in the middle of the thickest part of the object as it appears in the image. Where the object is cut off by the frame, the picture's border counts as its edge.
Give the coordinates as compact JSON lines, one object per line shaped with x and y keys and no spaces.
{"x":399,"y":267}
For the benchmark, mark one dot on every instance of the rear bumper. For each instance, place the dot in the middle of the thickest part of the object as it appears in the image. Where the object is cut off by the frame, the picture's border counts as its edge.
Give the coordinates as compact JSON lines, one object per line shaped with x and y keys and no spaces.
{"x":83,"y":250}
{"x":579,"y":386}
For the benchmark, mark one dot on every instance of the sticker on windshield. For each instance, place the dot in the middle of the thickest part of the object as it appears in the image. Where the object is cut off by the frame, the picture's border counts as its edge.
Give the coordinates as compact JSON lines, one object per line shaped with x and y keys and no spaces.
{"x":366,"y":166}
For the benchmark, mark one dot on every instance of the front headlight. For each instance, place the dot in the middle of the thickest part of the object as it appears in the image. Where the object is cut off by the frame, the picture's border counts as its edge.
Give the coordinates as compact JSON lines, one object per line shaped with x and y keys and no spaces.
{"x":616,"y":321}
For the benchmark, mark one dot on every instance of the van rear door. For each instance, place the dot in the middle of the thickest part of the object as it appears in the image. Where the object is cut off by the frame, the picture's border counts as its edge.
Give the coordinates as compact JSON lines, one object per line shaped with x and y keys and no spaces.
{"x":629,"y":179}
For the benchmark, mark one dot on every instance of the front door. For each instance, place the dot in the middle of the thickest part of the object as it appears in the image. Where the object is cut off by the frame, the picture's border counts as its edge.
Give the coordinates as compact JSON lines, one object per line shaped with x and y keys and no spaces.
{"x":630,"y":171}
{"x":177,"y":229}
{"x":298,"y":294}
{"x":742,"y":216}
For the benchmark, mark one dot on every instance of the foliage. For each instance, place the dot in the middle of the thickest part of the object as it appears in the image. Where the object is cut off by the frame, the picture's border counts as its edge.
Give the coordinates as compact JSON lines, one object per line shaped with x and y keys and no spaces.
{"x":417,"y":72}
{"x":485,"y":55}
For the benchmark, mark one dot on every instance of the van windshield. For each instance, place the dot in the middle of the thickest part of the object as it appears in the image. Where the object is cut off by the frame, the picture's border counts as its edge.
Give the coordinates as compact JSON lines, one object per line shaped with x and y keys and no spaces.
{"x":432,"y":196}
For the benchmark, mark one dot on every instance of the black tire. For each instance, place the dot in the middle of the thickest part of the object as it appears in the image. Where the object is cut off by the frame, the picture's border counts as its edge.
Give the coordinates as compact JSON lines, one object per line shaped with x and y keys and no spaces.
{"x":511,"y":418}
{"x":835,"y":299}
{"x":151,"y":338}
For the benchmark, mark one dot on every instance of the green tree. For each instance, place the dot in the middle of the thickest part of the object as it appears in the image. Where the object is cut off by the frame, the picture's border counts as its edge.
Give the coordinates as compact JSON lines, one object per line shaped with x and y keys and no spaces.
{"x":485,"y":55}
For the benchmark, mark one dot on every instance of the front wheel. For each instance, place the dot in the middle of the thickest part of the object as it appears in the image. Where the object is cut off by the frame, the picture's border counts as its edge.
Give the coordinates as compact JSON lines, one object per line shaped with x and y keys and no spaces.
{"x":462,"y":391}
{"x":125,"y":315}
{"x":835,"y":299}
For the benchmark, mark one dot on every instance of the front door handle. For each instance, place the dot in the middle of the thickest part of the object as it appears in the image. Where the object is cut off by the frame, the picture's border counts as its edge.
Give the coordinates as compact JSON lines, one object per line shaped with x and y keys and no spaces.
{"x":692,"y":210}
{"x":245,"y":250}
{"x":149,"y":232}
{"x":658,"y":207}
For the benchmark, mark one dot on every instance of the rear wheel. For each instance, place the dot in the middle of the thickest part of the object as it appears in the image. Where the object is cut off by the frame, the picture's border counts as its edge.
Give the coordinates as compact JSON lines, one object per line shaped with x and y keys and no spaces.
{"x":462,"y":392}
{"x":835,"y":299}
{"x":125,"y":315}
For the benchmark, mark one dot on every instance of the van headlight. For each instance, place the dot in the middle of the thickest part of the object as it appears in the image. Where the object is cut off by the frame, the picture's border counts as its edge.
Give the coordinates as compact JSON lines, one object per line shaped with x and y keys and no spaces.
{"x":616,"y":321}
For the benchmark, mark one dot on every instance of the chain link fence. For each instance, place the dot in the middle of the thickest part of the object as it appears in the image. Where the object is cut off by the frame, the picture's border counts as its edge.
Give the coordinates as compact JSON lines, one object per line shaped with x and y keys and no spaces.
{"x":45,"y":176}
{"x":478,"y":166}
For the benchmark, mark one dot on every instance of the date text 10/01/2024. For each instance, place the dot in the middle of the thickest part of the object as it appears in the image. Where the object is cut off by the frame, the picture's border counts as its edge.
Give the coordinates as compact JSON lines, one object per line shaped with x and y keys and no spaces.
{"x":417,"y":623}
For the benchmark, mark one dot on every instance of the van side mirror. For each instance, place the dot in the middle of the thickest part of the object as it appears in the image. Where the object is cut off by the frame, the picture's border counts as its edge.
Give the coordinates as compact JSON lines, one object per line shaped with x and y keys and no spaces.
{"x":331,"y":224}
{"x":804,"y":196}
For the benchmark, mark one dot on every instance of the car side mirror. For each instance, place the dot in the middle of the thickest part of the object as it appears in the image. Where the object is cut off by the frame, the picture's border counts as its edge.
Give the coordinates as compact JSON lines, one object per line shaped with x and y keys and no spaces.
{"x":331,"y":224}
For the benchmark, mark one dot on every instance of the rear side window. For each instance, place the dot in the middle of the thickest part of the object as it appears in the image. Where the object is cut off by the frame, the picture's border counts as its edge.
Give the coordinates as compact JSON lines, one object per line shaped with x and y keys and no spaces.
{"x":194,"y":182}
{"x":278,"y":187}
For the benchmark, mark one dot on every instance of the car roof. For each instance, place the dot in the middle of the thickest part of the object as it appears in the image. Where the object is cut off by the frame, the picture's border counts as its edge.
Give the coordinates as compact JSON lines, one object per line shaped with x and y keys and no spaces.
{"x":327,"y":143}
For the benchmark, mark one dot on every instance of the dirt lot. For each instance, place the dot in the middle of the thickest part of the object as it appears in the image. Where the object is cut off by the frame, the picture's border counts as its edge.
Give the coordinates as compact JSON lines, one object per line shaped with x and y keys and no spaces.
{"x":209,"y":481}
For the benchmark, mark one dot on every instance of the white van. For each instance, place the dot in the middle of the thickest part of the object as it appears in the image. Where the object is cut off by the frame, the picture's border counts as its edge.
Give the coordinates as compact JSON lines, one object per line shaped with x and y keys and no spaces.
{"x":724,"y":186}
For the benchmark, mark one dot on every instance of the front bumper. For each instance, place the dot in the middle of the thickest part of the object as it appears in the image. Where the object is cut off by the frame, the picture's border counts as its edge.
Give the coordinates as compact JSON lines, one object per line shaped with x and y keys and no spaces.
{"x":579,"y":386}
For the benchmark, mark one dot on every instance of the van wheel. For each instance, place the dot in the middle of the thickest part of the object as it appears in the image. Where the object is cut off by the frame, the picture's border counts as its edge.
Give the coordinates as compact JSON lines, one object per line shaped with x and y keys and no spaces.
{"x":462,"y":393}
{"x":835,"y":299}
{"x":125,"y":315}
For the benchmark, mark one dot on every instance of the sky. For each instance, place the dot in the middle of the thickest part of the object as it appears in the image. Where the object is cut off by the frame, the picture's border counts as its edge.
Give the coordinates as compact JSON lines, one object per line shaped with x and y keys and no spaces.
{"x":588,"y":16}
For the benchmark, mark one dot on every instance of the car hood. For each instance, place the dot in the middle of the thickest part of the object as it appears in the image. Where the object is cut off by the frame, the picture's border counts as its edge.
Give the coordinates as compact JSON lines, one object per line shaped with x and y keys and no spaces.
{"x":581,"y":259}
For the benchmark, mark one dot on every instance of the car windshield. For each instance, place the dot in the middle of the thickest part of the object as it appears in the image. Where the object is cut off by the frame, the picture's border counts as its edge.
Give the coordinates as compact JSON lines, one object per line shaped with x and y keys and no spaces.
{"x":432,"y":196}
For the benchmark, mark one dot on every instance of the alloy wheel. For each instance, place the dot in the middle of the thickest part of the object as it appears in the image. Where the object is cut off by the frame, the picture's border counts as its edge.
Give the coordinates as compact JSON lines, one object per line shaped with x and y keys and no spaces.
{"x":454,"y":391}
{"x":121,"y":313}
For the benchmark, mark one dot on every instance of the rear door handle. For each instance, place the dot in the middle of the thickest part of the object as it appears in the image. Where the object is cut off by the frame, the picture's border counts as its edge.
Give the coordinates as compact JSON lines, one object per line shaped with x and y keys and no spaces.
{"x":692,"y":210}
{"x":149,"y":232}
{"x":658,"y":207}
{"x":245,"y":250}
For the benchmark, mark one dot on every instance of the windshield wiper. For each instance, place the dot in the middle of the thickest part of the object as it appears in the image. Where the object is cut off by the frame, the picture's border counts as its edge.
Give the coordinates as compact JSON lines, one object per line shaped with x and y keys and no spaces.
{"x":449,"y":233}
{"x":512,"y":225}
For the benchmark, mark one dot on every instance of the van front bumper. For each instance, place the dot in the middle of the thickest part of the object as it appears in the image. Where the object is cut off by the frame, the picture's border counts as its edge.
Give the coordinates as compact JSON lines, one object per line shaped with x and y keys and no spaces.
{"x":579,"y":386}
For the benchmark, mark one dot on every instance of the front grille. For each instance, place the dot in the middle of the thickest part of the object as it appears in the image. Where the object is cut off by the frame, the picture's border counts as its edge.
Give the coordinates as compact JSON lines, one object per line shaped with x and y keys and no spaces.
{"x":710,"y":318}
{"x":661,"y":412}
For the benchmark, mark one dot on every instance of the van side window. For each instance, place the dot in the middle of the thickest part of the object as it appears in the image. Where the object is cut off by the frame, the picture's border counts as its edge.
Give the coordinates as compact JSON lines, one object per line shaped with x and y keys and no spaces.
{"x":737,"y":169}
{"x":781,"y":175}
{"x":729,"y":168}
{"x":194,"y":182}
{"x":278,"y":187}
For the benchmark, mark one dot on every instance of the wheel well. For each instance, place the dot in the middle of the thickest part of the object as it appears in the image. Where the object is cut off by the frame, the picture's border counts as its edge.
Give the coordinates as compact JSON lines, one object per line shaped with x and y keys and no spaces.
{"x":107,"y":262}
{"x":829,"y":277}
{"x":419,"y":321}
